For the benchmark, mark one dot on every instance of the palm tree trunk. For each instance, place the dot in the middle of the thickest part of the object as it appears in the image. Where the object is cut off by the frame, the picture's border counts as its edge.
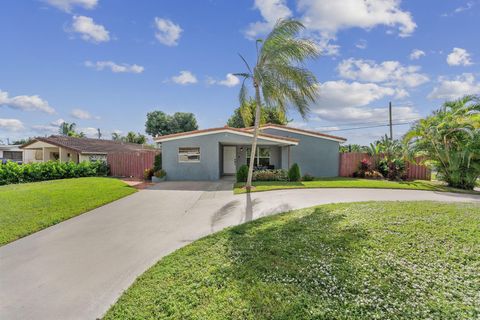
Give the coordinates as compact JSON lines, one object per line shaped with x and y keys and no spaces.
{"x":248,"y":186}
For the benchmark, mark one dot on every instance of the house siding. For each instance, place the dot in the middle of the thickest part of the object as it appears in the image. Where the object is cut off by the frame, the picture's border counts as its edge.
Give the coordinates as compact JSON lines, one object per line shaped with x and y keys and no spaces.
{"x":210,"y":166}
{"x":316,"y":156}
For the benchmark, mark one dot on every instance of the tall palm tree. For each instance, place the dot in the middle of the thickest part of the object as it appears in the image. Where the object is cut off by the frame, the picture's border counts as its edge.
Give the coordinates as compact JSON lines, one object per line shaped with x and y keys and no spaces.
{"x":279,"y":76}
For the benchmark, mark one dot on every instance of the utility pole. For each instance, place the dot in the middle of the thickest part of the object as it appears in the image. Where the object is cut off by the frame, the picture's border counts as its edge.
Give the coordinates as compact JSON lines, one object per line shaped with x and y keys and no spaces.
{"x":390,"y":119}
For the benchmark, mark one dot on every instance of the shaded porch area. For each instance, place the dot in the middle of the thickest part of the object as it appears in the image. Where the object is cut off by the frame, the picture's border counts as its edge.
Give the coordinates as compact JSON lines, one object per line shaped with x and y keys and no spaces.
{"x":267,"y":156}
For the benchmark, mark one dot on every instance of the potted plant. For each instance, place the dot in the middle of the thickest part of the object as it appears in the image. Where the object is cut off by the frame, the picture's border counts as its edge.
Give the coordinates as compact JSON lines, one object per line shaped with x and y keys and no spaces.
{"x":159,"y":176}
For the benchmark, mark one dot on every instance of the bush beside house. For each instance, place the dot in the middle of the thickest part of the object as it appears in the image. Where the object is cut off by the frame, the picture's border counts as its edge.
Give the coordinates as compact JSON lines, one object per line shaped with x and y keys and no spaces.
{"x":293,"y":174}
{"x":12,"y":172}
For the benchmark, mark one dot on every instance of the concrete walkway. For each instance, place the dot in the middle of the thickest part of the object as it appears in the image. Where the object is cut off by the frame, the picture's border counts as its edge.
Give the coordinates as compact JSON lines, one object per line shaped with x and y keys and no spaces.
{"x":78,"y":268}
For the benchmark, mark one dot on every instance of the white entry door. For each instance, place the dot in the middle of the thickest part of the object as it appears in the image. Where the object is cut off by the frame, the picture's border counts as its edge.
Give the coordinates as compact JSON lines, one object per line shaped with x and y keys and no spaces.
{"x":229,"y":159}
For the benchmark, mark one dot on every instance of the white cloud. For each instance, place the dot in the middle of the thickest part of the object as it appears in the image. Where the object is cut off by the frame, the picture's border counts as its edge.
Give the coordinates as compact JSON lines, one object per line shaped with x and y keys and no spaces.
{"x":271,"y":11}
{"x":329,"y":17}
{"x":324,"y":19}
{"x":89,"y":30}
{"x":416,"y":54}
{"x":184,"y":78}
{"x":114,"y":67}
{"x":67,"y":5}
{"x":82,"y":114}
{"x":341,"y":94}
{"x":27,"y":103}
{"x":459,"y":57}
{"x":229,"y":81}
{"x":455,"y":88}
{"x":11,"y":124}
{"x":167,"y":32}
{"x":388,"y":72}
{"x":51,"y":128}
{"x":90,"y":132}
{"x":358,"y":115}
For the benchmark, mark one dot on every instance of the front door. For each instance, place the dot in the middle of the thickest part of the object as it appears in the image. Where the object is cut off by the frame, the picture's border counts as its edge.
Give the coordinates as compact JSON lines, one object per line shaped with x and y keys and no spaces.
{"x":229,"y":157}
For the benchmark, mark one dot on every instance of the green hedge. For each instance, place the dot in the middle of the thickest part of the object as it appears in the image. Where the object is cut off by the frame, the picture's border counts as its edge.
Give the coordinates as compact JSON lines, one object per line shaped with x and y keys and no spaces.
{"x":12,"y":172}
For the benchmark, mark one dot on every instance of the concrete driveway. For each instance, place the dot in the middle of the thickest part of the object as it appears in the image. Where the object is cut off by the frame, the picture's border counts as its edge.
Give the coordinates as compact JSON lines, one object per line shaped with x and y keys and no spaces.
{"x":78,"y":268}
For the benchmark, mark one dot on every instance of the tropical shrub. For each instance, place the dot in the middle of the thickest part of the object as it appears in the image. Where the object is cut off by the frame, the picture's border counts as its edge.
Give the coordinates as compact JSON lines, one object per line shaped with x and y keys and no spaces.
{"x":148,"y":174}
{"x":270,"y":175}
{"x":160,"y":173}
{"x":294,"y":173}
{"x":242,"y":173}
{"x":396,"y":170}
{"x":308,"y":177}
{"x":12,"y":172}
{"x":157,"y":163}
{"x":449,"y":140}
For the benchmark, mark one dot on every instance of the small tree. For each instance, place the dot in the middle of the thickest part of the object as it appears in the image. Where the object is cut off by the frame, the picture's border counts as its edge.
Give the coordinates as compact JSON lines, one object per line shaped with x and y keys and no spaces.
{"x":294,"y":173}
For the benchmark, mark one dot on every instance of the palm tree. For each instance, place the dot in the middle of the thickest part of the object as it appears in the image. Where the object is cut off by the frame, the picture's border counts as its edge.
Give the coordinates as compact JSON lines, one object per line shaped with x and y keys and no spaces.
{"x":67,"y":129}
{"x":279,"y":76}
{"x":450,"y":140}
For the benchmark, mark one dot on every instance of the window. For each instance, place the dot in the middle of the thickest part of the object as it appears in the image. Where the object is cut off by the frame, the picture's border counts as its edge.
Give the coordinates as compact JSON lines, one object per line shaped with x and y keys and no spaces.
{"x":262,"y":157}
{"x":189,"y":154}
{"x":13,"y":155}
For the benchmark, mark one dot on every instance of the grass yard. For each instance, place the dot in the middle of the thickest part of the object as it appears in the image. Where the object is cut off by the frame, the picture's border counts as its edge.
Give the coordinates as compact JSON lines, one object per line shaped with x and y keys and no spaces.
{"x":341,"y":182}
{"x":30,"y":207}
{"x":373,"y":260}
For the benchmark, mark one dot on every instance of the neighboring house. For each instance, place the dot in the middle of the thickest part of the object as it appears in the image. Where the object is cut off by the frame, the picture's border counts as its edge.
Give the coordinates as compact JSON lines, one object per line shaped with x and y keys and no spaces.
{"x":212,"y":153}
{"x":10,"y":152}
{"x":64,"y":148}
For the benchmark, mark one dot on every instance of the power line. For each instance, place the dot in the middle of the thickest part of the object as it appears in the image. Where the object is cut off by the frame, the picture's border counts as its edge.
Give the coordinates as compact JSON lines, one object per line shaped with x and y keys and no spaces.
{"x":366,"y":123}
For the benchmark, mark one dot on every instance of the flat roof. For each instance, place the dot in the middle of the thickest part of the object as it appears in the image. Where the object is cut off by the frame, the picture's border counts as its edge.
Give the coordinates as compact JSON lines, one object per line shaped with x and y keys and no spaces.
{"x":242,"y":132}
{"x":300,"y":131}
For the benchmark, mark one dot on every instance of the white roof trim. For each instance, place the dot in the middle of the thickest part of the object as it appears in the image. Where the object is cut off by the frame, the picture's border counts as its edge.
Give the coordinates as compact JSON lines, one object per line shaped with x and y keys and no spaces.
{"x":246,"y":134}
{"x":302,"y":132}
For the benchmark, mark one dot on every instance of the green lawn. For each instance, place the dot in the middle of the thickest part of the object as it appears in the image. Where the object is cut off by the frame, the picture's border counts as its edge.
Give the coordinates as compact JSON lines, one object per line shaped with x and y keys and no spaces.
{"x":373,"y":260}
{"x":27,"y":208}
{"x":341,"y":182}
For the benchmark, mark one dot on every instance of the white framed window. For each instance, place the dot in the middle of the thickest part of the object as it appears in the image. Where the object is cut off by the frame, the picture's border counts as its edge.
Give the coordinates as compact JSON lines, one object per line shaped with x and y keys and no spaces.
{"x":262,"y":156}
{"x":189,"y":154}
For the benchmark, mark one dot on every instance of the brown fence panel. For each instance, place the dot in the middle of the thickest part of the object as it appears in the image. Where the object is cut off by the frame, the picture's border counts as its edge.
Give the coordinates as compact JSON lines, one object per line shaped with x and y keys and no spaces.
{"x":131,"y":163}
{"x":350,"y":161}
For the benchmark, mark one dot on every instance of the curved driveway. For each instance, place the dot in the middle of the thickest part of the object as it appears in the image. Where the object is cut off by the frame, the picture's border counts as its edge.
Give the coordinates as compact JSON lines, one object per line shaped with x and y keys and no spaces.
{"x":78,"y":268}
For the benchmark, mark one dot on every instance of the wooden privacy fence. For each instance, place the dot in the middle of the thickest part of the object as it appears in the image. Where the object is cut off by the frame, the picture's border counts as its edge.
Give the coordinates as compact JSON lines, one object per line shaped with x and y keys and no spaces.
{"x":349,"y":163}
{"x":131,"y":163}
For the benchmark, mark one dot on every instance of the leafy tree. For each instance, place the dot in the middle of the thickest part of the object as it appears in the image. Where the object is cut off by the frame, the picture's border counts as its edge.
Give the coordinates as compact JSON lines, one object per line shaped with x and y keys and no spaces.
{"x":183,"y":122}
{"x":160,"y":123}
{"x":116,"y":136}
{"x":21,"y":141}
{"x":449,"y":139}
{"x":69,"y":129}
{"x":133,"y":137}
{"x":279,"y":75}
{"x":244,"y":116}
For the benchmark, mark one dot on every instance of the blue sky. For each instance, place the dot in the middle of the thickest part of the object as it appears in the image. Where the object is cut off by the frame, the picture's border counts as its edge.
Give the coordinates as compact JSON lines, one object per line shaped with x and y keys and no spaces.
{"x":105,"y":64}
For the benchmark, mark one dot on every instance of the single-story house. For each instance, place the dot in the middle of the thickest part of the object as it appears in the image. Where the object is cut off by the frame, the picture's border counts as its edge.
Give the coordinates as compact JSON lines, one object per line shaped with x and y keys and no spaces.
{"x":10,"y":153}
{"x":210,"y":154}
{"x":64,"y":148}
